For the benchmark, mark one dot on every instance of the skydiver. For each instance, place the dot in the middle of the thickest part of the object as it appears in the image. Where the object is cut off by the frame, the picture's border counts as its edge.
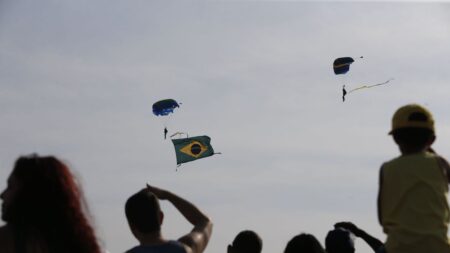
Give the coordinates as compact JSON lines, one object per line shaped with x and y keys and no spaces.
{"x":344,"y":92}
{"x":165,"y":132}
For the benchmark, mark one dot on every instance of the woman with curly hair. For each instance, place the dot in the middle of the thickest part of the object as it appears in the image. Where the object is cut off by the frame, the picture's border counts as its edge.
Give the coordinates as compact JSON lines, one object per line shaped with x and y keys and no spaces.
{"x":44,"y":210}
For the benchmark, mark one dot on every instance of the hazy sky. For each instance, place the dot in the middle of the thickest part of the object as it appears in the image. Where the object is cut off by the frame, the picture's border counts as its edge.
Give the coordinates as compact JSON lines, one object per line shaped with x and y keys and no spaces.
{"x":78,"y":80}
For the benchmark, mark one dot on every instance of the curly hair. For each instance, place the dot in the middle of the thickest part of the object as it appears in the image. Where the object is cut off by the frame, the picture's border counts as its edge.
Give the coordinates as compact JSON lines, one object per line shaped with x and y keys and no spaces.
{"x":48,"y":212}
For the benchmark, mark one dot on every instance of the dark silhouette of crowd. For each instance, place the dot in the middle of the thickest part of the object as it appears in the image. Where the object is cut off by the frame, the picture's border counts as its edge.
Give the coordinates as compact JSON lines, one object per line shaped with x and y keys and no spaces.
{"x":45,"y":211}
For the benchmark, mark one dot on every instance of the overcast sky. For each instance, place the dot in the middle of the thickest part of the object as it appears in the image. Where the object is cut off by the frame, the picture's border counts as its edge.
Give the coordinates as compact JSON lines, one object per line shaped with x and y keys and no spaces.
{"x":78,"y":80}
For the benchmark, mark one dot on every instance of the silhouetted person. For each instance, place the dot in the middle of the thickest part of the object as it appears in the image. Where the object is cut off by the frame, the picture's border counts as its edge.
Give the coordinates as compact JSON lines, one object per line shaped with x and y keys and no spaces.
{"x":373,"y":242}
{"x":304,"y":243}
{"x":165,"y":132}
{"x":344,"y":92}
{"x":44,"y":210}
{"x":339,"y":241}
{"x":246,"y":241}
{"x":145,"y":219}
{"x":412,"y":201}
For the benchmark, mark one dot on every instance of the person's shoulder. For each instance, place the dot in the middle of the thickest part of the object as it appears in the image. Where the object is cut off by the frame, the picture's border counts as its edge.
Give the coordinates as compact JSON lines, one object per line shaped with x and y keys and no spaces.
{"x":171,"y":246}
{"x":6,"y":239}
{"x":133,"y":250}
{"x":405,"y":160}
{"x":389,"y":162}
{"x":403,"y":163}
{"x":394,"y":165}
{"x":178,"y":246}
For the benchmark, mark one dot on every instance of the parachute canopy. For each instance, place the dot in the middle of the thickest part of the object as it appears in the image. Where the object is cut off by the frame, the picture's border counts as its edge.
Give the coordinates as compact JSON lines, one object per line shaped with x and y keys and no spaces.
{"x":164,"y":107}
{"x":342,"y":65}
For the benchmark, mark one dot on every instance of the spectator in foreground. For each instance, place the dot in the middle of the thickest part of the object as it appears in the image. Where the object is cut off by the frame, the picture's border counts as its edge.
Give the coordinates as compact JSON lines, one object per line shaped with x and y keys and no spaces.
{"x":44,"y":210}
{"x":246,"y":241}
{"x":373,"y":242}
{"x":145,"y":218}
{"x":339,"y":240}
{"x":412,"y":200}
{"x":304,"y":243}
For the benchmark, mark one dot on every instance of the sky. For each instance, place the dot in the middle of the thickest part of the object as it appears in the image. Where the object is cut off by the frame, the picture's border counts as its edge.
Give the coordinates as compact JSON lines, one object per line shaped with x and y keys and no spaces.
{"x":78,"y":80}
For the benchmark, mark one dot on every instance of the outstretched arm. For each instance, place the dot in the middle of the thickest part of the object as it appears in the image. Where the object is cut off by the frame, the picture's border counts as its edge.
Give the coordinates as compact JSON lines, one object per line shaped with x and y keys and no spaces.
{"x":373,"y":242}
{"x":198,"y":238}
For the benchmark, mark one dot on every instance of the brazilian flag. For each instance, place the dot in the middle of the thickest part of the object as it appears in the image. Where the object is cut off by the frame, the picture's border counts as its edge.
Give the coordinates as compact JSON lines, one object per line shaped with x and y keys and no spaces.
{"x":193,"y":148}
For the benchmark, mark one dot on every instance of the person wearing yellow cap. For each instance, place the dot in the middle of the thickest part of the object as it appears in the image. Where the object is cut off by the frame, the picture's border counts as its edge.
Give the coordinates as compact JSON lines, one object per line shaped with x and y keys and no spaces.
{"x":412,"y":200}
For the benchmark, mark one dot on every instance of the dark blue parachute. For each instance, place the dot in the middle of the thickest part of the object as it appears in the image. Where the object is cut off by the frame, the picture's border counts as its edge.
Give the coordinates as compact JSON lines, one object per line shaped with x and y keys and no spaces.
{"x":342,"y":65}
{"x":164,"y":107}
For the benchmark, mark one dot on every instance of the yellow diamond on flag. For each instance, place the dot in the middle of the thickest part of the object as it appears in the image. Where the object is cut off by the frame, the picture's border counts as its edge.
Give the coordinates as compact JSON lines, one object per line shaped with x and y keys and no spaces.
{"x":194,"y":149}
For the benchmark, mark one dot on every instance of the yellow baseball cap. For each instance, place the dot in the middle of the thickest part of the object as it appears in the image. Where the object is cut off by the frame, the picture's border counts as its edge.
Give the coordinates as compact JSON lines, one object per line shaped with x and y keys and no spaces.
{"x":412,"y":115}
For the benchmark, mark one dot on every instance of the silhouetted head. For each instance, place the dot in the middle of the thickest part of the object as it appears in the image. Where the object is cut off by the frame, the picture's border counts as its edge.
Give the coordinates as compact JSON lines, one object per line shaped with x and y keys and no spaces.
{"x":143,"y":212}
{"x":413,"y":128}
{"x":42,"y":200}
{"x":40,"y":189}
{"x":246,"y":242}
{"x":414,"y":139}
{"x":339,"y":241}
{"x":304,"y":243}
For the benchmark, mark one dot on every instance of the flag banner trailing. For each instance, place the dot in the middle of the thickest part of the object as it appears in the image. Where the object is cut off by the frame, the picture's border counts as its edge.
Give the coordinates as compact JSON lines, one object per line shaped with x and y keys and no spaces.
{"x":192,"y":148}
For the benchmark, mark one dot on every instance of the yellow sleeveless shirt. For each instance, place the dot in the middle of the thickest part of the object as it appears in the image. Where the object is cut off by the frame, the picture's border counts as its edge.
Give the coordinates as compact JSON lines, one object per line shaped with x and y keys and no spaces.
{"x":414,"y":211}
